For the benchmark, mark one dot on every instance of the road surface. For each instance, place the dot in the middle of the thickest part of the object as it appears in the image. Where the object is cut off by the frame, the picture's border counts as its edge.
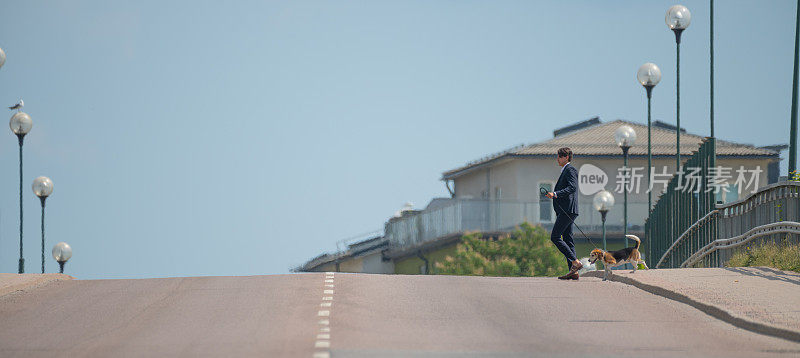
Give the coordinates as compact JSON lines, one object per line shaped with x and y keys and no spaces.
{"x":362,"y":315}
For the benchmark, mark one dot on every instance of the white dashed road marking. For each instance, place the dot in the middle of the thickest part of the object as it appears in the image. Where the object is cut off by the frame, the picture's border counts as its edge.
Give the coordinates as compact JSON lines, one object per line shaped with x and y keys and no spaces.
{"x":324,"y":337}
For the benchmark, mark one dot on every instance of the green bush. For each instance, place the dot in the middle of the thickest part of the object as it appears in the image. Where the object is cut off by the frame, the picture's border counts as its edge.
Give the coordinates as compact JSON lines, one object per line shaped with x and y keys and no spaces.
{"x":527,"y":251}
{"x":782,"y":256}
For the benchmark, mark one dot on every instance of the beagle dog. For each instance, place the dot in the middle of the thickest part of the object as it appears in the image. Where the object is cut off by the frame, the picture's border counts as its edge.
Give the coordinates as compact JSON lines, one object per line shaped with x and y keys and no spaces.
{"x":618,"y":258}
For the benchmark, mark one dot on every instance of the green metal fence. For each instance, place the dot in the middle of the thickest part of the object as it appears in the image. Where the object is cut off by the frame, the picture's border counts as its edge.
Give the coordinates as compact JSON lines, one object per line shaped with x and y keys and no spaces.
{"x":679,"y":211}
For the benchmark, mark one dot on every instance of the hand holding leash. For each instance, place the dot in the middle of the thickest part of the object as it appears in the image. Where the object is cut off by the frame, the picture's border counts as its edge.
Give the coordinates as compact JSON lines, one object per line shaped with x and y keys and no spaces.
{"x":543,"y":191}
{"x":549,"y":194}
{"x":546,"y":193}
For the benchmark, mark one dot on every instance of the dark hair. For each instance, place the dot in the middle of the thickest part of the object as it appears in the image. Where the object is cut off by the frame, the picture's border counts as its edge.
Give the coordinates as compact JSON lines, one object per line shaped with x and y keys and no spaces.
{"x":565,"y":152}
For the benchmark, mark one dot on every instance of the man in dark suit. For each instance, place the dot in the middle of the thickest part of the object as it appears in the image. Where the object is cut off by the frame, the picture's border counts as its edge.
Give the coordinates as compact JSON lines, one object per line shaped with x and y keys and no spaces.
{"x":565,"y":203}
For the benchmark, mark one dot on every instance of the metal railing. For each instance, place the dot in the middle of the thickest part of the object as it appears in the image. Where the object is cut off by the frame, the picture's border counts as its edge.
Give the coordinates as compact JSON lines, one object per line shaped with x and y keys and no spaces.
{"x":463,"y":215}
{"x":695,"y":233}
{"x":459,"y":215}
{"x":770,"y":214}
{"x":683,"y":213}
{"x":710,"y":255}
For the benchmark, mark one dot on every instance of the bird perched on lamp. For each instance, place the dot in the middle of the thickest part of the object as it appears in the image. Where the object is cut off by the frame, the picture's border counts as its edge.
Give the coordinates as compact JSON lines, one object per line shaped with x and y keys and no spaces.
{"x":18,"y":106}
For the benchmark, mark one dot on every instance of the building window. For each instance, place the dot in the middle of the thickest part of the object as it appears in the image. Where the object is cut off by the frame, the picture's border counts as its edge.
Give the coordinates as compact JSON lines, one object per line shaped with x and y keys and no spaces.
{"x":545,"y":204}
{"x":730,"y":196}
{"x":498,"y":192}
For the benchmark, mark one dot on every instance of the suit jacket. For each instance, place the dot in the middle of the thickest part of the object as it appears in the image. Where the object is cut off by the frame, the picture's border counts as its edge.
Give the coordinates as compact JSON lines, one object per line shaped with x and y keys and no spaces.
{"x":566,"y":191}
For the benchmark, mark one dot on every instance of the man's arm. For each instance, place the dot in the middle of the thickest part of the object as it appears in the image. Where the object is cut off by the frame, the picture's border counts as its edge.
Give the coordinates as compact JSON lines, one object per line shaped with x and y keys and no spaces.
{"x":572,"y":183}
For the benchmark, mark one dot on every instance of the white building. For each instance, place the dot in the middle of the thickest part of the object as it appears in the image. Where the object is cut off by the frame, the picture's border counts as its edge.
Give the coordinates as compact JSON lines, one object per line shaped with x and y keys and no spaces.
{"x":513,"y":177}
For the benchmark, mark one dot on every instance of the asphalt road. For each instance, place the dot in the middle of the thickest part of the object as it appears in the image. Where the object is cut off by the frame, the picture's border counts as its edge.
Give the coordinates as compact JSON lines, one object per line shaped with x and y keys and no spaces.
{"x":365,"y":316}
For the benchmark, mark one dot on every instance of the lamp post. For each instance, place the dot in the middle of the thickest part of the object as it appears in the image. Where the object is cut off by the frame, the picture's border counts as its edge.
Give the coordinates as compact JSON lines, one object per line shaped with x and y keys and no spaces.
{"x":793,"y":117}
{"x":625,"y":136}
{"x":649,"y":75}
{"x":678,"y":19}
{"x":20,"y":124}
{"x":603,"y":201}
{"x":42,"y":187}
{"x":62,"y":252}
{"x":711,"y":72}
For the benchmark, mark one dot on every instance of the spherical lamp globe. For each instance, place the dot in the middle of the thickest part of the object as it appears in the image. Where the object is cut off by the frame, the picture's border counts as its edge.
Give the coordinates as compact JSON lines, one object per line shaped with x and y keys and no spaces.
{"x":625,"y":136}
{"x":649,"y":75}
{"x":678,"y":17}
{"x":42,"y":187}
{"x":21,"y":123}
{"x":603,"y":200}
{"x":62,"y":252}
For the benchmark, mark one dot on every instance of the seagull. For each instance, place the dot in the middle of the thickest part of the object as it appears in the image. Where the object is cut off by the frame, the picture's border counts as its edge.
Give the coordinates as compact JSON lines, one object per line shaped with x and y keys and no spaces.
{"x":18,"y":106}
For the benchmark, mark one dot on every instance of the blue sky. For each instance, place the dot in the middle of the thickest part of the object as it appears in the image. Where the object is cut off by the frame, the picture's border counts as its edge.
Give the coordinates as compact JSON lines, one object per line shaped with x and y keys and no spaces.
{"x":193,"y":138}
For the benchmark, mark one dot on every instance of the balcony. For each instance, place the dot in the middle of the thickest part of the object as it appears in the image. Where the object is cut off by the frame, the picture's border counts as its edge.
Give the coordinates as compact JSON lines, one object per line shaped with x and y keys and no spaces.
{"x":449,"y":217}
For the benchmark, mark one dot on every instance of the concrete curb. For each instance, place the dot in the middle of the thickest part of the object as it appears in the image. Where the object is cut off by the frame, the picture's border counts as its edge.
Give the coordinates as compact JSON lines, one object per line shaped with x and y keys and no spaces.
{"x":12,"y":283}
{"x":711,"y":310}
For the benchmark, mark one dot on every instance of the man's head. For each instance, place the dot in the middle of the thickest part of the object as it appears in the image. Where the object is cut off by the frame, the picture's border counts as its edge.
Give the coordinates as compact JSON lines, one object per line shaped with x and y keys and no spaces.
{"x":564,"y":156}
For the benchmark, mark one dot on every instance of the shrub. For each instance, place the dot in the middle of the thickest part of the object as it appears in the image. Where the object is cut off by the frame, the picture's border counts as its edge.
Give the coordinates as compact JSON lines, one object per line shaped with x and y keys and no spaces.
{"x":527,"y":251}
{"x":784,"y":256}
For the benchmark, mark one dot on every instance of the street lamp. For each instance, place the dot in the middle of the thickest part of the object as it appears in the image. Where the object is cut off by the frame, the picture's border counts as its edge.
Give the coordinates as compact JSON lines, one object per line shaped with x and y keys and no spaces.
{"x":20,"y":124}
{"x":793,"y":117}
{"x":678,"y":19}
{"x":42,"y":187}
{"x":649,"y":75}
{"x":625,"y":136}
{"x":62,"y":252}
{"x":603,"y":201}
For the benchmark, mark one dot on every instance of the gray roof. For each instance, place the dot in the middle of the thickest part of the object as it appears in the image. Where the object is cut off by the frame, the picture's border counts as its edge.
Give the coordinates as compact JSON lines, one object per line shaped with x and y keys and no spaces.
{"x":597,"y":140}
{"x":353,"y":250}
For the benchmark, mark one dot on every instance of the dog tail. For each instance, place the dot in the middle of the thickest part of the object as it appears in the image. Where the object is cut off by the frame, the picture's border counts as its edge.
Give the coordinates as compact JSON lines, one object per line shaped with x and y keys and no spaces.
{"x":635,"y":238}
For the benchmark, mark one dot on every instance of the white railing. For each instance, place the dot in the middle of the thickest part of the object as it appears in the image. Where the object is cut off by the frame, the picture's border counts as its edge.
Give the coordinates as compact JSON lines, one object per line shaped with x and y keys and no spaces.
{"x":464,"y":215}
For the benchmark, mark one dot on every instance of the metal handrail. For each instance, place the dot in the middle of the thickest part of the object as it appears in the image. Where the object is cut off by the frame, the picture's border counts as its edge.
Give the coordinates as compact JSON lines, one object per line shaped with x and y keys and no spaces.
{"x":757,"y":192}
{"x":735,"y":218}
{"x":686,"y":233}
{"x":789,"y":227}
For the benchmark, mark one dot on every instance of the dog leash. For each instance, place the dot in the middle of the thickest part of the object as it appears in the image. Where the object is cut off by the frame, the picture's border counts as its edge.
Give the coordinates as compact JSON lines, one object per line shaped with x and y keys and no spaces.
{"x":544,"y":192}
